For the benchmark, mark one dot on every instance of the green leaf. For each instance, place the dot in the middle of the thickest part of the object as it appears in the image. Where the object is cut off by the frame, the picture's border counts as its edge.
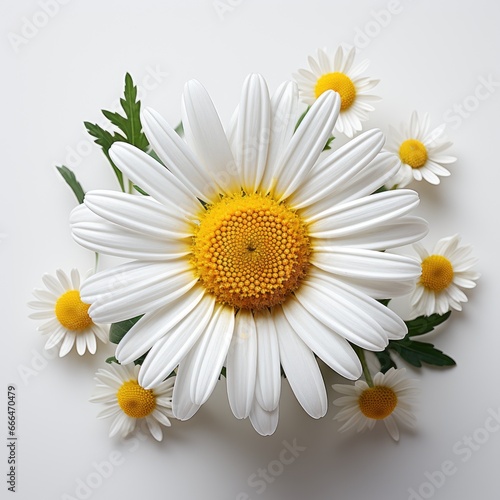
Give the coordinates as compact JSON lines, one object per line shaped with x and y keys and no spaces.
{"x":180,"y":129}
{"x":328,"y":143}
{"x":112,"y":359}
{"x":385,"y":360}
{"x":301,"y":117}
{"x":71,"y":181}
{"x":416,"y":353}
{"x":140,"y":190}
{"x":130,"y":124}
{"x":425,"y":324}
{"x":119,"y":329}
{"x":105,"y":139}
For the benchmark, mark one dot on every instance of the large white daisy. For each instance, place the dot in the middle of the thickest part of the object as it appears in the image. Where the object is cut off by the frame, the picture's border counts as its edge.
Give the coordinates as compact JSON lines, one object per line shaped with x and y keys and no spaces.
{"x":339,"y":73}
{"x":389,"y":399}
{"x":68,"y":318}
{"x":445,"y":273}
{"x":250,"y":252}
{"x":420,"y":150}
{"x":128,"y":403}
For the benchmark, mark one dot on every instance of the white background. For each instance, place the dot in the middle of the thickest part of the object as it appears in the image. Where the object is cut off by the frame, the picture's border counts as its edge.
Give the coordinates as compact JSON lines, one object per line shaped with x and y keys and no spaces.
{"x":61,"y":69}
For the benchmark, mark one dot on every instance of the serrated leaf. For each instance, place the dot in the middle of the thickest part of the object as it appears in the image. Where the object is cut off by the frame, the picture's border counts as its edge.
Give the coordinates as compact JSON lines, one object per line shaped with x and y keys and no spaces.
{"x":119,"y":329}
{"x":130,"y":124}
{"x":385,"y":360}
{"x":70,"y":178}
{"x":105,"y":139}
{"x":425,"y":324}
{"x":416,"y":353}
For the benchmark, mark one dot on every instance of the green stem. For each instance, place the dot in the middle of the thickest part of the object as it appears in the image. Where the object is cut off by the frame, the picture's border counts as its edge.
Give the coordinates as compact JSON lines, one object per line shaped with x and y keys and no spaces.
{"x":96,"y":261}
{"x":364,"y":365}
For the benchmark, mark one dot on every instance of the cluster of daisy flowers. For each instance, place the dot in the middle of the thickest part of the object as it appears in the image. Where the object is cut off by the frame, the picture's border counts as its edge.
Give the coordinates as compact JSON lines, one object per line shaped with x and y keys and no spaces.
{"x":256,"y":250}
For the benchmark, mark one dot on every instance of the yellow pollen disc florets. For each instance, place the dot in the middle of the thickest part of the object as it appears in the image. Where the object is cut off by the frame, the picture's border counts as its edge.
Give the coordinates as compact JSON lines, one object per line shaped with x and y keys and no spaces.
{"x":437,"y":273}
{"x":71,"y":312}
{"x":377,"y":402}
{"x":339,"y":82}
{"x":134,"y":400}
{"x":413,"y":153}
{"x":250,"y":251}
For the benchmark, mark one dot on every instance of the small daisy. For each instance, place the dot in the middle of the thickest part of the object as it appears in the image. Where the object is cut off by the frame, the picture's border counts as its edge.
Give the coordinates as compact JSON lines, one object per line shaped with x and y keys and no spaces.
{"x":420,"y":150}
{"x":68,"y":320}
{"x":337,"y":73}
{"x":388,"y":399}
{"x":127,"y":401}
{"x":445,"y":273}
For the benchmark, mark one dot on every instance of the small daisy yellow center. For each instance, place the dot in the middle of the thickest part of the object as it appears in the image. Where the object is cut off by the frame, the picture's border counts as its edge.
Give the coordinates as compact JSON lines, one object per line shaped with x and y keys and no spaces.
{"x":250,"y":251}
{"x":413,"y":153}
{"x":437,"y":273}
{"x":134,"y":400}
{"x":71,"y":312}
{"x":377,"y":402}
{"x":339,"y":82}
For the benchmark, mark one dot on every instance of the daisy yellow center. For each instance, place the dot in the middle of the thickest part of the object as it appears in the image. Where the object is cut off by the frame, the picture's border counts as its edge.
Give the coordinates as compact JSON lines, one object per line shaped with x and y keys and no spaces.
{"x":134,"y":400}
{"x":437,"y":273}
{"x":71,"y":312}
{"x":339,"y":82}
{"x":377,"y":402}
{"x":413,"y":153}
{"x":250,"y":251}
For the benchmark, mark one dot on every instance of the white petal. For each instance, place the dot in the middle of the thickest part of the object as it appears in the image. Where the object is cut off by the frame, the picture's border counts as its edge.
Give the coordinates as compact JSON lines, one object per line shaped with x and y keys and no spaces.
{"x":306,"y":144}
{"x":182,"y":405}
{"x":264,"y":422}
{"x":67,"y":344}
{"x":268,"y":384}
{"x":154,"y":178}
{"x":241,"y":365}
{"x":329,"y":175}
{"x":333,"y":349}
{"x":378,"y":172}
{"x":205,"y":136}
{"x":53,"y":285}
{"x":139,"y":213}
{"x":364,"y":306}
{"x":301,"y":368}
{"x":402,"y":231}
{"x":284,"y":106}
{"x":176,"y":156}
{"x":151,"y":292}
{"x":392,"y":428}
{"x":154,"y":428}
{"x":341,"y":316}
{"x":208,"y":355}
{"x":101,"y":236}
{"x":252,"y":132}
{"x":81,"y":343}
{"x":55,"y":338}
{"x":362,"y":214}
{"x":167,"y":353}
{"x":91,"y":341}
{"x":153,"y":326}
{"x":368,"y":264}
{"x":64,"y":280}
